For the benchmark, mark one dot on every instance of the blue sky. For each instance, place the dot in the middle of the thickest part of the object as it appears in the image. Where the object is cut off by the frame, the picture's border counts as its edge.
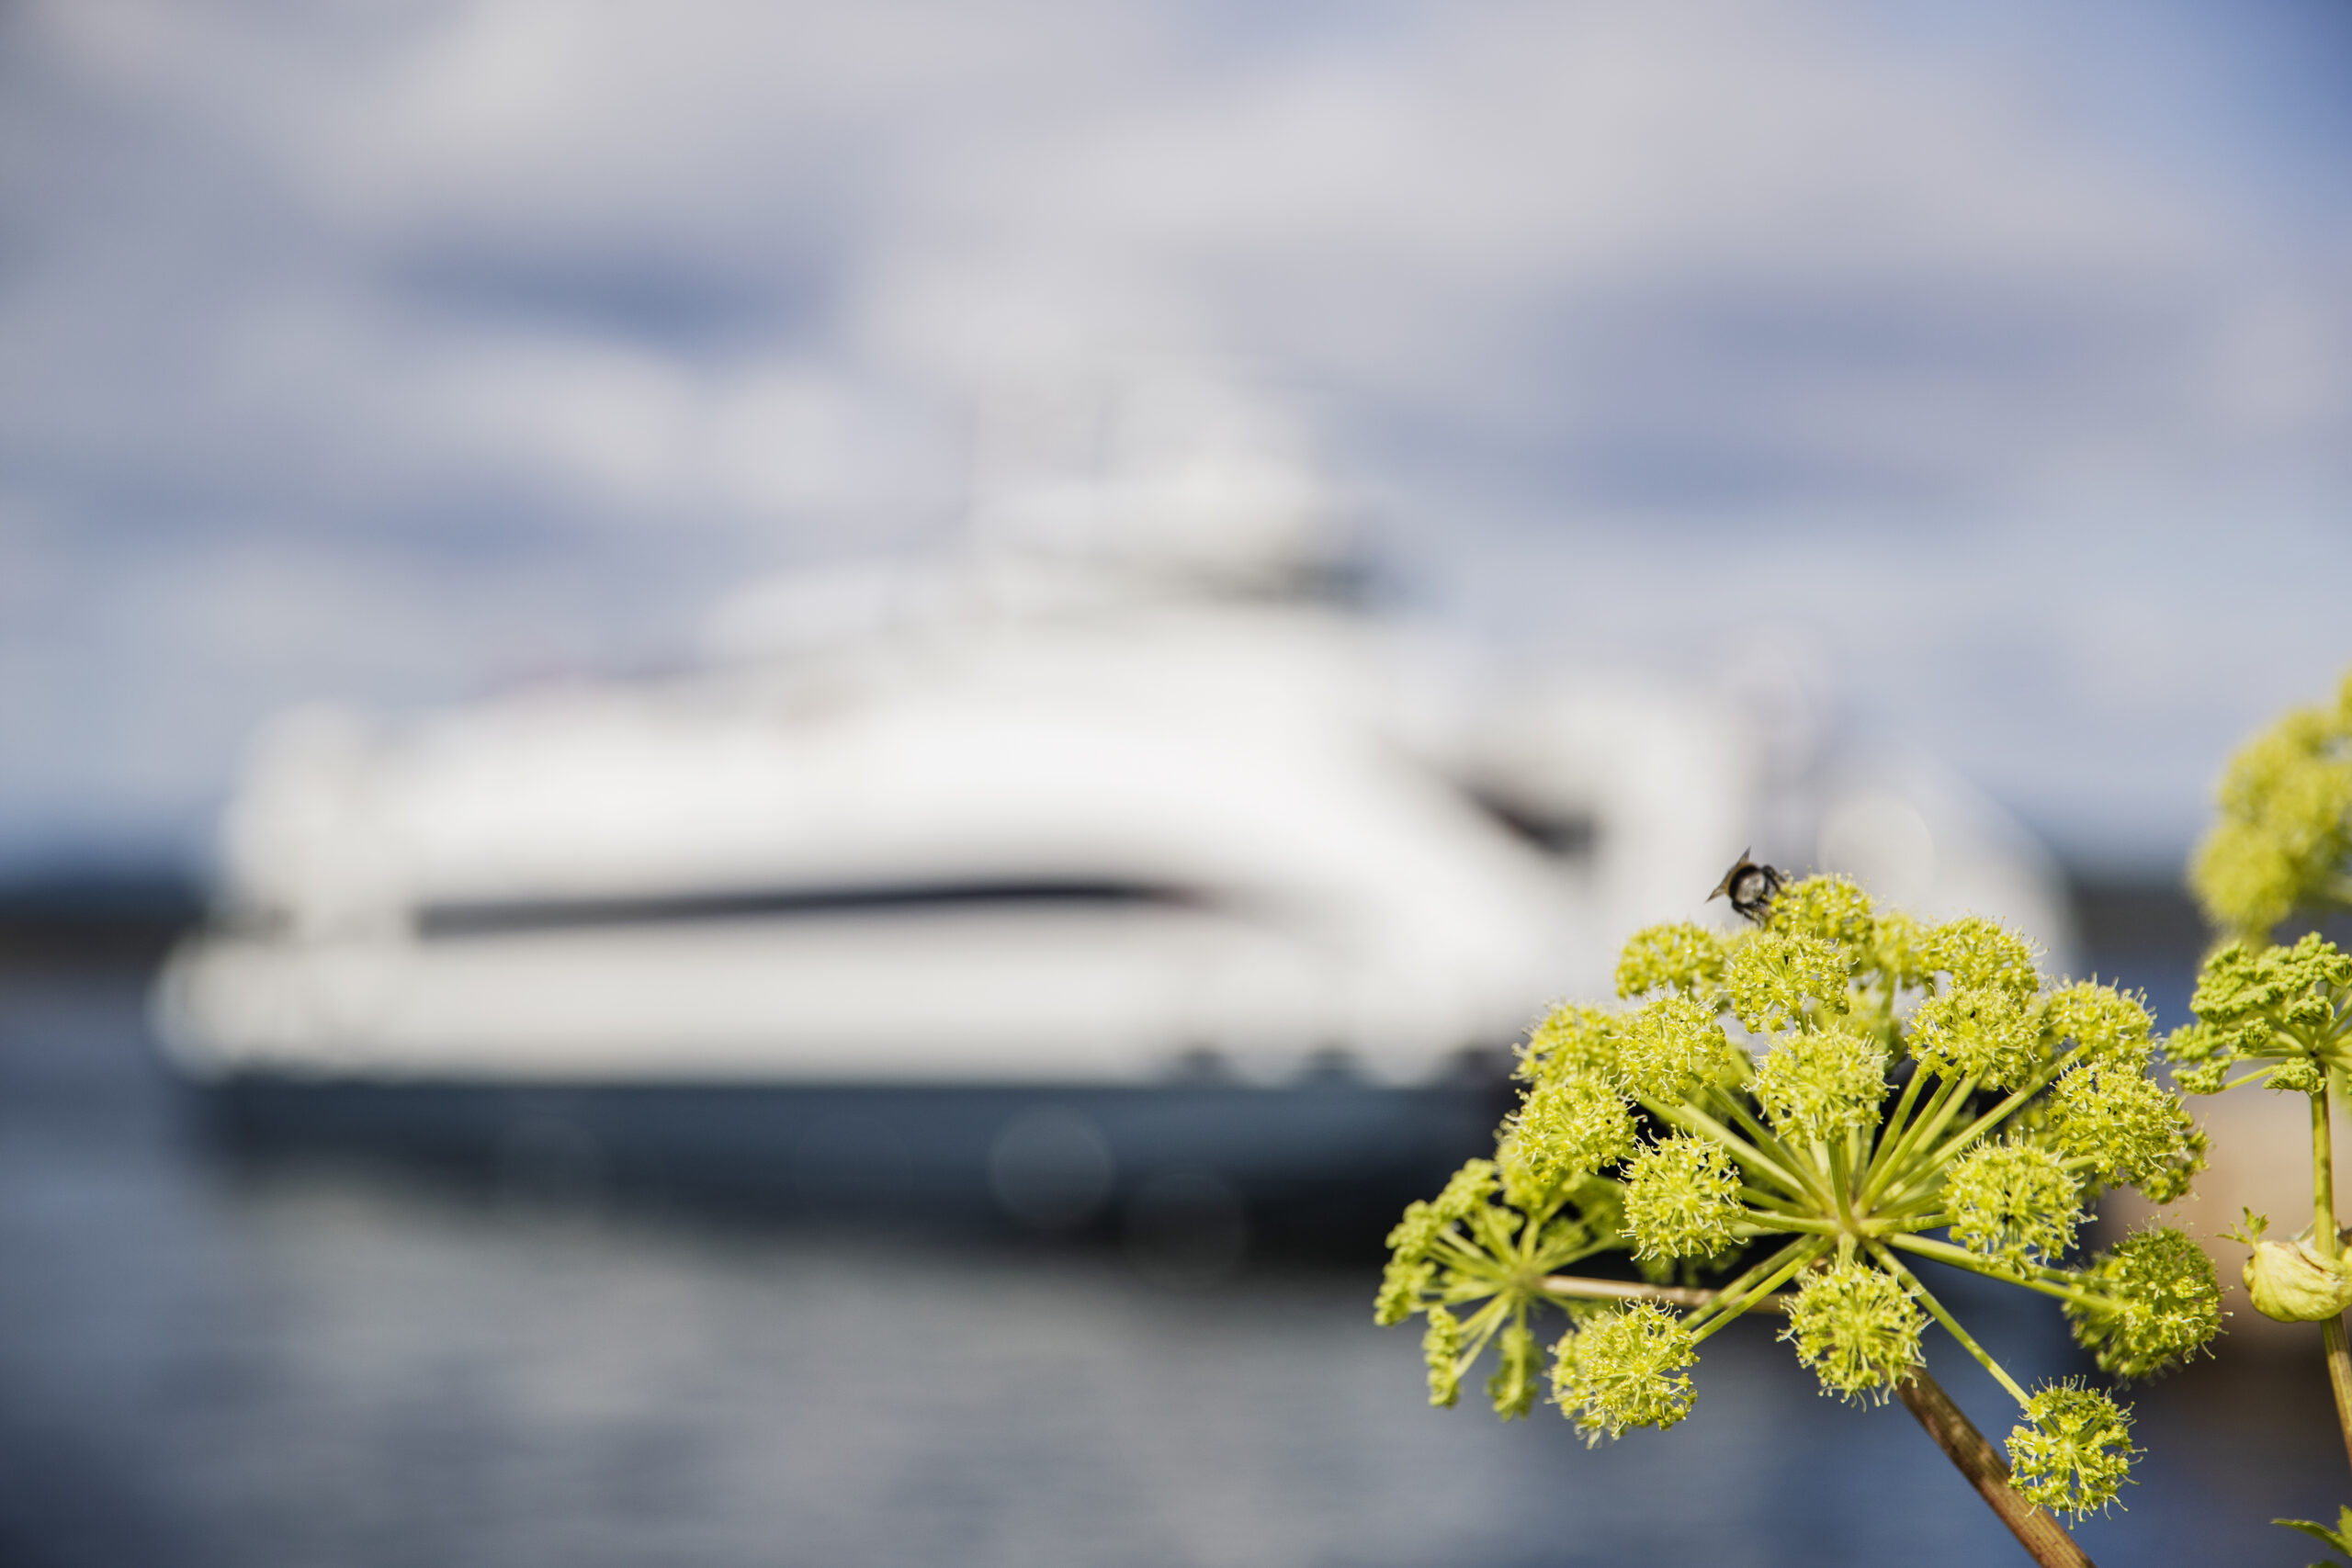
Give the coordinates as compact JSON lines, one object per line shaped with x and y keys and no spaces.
{"x":1998,"y":359}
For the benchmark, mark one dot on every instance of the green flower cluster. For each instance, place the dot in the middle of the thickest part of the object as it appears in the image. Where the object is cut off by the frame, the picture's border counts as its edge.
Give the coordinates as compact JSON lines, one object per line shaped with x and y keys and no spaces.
{"x":2015,"y":1205}
{"x":1624,"y":1370}
{"x":2285,"y":828}
{"x":1681,"y":1198}
{"x":2072,"y":1451}
{"x":1857,"y":1328}
{"x":2283,"y":1013}
{"x":2153,"y":1300}
{"x":2281,"y":1017}
{"x":1895,"y":1081}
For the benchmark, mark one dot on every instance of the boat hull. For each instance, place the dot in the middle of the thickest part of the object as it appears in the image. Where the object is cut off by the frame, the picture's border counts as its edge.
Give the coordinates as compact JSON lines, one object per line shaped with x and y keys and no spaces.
{"x":1317,"y":1163}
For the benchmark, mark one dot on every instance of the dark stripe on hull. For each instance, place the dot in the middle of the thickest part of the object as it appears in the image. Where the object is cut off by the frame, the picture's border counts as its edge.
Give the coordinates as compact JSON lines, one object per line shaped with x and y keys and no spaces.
{"x":1318,"y":1162}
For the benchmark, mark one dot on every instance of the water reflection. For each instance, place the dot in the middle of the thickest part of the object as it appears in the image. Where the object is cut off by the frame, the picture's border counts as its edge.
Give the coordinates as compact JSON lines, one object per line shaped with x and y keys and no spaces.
{"x":218,"y":1364}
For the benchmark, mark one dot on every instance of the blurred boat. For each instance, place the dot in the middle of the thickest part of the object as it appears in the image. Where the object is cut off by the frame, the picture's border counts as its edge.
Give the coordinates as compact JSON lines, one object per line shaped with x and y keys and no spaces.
{"x":1185,"y":847}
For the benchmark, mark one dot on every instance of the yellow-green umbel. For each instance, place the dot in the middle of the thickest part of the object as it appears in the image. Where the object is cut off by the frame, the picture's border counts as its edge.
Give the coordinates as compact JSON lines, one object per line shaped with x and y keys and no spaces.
{"x":1796,"y":1112}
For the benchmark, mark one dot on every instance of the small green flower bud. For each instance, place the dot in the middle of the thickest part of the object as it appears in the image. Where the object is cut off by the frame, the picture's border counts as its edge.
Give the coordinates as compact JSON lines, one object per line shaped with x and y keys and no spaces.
{"x":1570,"y":1036}
{"x":2291,"y":1282}
{"x":1680,"y":957}
{"x":2210,"y":1077}
{"x":1672,"y":1047}
{"x":2280,"y":842}
{"x":1981,"y":955}
{"x":2163,"y":1302}
{"x":2194,"y":1043}
{"x":1774,"y":974}
{"x":2127,"y":1127}
{"x":1619,"y":1371}
{"x":2301,"y":1076}
{"x":2169,"y":1182}
{"x":1511,"y":1388}
{"x":2103,"y":1022}
{"x":1898,"y":950}
{"x":1414,"y":1234}
{"x":1571,"y":1123}
{"x":2073,"y":1452}
{"x":1442,"y":1352}
{"x":2200,"y":1057}
{"x":1857,"y":1328}
{"x":1681,"y":1198}
{"x":1817,"y":1086}
{"x":2235,"y":985}
{"x":1466,"y":1192}
{"x":1827,"y":909}
{"x":1402,"y":1284}
{"x":1978,"y":1032}
{"x":2013,"y":1202}
{"x":2250,"y":998}
{"x":2245,"y":879}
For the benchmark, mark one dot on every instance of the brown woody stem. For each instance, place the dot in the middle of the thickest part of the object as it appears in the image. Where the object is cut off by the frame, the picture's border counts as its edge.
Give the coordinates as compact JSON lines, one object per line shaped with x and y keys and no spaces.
{"x":2044,"y":1539}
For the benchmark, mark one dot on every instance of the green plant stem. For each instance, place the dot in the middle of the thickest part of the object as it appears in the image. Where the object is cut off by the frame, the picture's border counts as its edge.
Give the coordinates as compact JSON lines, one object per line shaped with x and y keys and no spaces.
{"x":2041,"y":1080}
{"x":1961,"y":1258}
{"x":1691,"y":1120}
{"x":1758,"y":1134}
{"x":2331,"y":1332}
{"x":1904,"y":1167}
{"x":1926,"y":1298}
{"x":1840,"y":1183}
{"x":1892,"y":1131}
{"x":2043,"y":1537}
{"x":1575,"y":1287}
{"x":1728,"y":1307}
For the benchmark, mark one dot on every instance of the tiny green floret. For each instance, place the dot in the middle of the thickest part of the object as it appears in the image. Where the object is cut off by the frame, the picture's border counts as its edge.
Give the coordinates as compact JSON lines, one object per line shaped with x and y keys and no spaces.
{"x":2072,"y":1451}
{"x":1570,"y":1036}
{"x":1673,"y":1049}
{"x":1777,"y":978}
{"x":2104,"y":1023}
{"x":1830,"y":908}
{"x":2116,"y":1124}
{"x":1681,"y":1198}
{"x":1857,"y":1328}
{"x":1818,"y":1085}
{"x":1518,"y":1376}
{"x":2148,"y":1304}
{"x":2014,"y":1203}
{"x":1980,"y":954}
{"x":1441,"y":1354}
{"x":1622,"y":1370}
{"x":2285,"y":829}
{"x":1572,"y":1123}
{"x":1678,"y":957}
{"x":1977,"y":1031}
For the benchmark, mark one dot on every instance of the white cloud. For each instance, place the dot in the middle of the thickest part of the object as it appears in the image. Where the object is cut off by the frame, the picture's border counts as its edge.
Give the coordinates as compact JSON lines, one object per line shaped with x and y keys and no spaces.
{"x":555,"y":287}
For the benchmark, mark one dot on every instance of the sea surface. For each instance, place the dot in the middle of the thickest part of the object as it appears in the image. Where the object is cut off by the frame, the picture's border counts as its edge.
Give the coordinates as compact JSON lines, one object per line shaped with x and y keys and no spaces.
{"x":206,"y":1361}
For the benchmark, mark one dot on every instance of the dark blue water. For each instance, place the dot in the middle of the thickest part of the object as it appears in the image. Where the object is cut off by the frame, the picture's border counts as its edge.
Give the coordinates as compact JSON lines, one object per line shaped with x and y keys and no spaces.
{"x":203,"y":1363}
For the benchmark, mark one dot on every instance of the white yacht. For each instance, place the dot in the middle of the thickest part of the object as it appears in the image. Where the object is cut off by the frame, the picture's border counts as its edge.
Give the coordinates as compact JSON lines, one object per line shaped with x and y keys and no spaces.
{"x":1175,"y":848}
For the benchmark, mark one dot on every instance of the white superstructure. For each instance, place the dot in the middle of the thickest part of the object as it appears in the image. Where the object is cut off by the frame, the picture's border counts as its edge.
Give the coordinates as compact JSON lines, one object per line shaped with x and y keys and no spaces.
{"x":1065,"y":809}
